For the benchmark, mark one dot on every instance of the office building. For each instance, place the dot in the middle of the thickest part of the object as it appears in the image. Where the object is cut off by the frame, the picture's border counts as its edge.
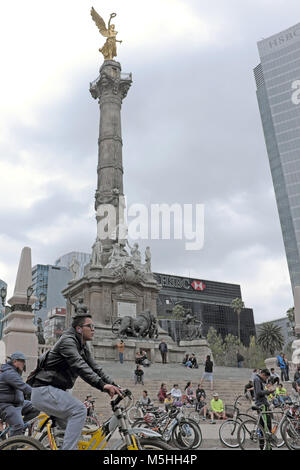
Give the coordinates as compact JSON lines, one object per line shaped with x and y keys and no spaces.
{"x":50,"y":280}
{"x":55,"y":324}
{"x":208,"y":301}
{"x":278,"y":93}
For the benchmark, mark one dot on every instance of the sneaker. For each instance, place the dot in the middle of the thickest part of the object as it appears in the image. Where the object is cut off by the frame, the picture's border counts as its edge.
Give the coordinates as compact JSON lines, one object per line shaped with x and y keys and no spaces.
{"x":203,"y":418}
{"x":212,"y":422}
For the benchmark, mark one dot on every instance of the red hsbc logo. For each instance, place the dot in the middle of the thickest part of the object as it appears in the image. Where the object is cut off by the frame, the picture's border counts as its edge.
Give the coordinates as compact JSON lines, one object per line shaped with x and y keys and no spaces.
{"x":198,"y":285}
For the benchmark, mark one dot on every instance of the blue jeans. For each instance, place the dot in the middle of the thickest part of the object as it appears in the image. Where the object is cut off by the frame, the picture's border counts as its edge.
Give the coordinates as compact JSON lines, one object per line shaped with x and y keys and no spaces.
{"x":121,"y":356}
{"x":13,"y":415}
{"x":69,"y":411}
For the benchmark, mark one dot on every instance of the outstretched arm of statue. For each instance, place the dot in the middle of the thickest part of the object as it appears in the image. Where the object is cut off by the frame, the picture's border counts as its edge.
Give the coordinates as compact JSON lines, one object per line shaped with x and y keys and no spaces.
{"x":113,"y":15}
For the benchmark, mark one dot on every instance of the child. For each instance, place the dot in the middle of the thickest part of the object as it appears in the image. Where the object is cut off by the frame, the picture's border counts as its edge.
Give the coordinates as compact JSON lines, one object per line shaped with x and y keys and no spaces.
{"x":168,"y":401}
{"x":139,"y":375}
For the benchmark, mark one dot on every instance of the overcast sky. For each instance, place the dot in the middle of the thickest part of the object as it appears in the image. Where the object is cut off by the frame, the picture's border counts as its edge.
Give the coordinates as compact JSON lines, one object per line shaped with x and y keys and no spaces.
{"x":191,"y":134}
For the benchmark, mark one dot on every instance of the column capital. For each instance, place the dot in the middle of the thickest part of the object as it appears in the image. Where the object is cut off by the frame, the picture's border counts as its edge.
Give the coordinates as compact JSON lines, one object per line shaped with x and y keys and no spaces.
{"x":111,"y":83}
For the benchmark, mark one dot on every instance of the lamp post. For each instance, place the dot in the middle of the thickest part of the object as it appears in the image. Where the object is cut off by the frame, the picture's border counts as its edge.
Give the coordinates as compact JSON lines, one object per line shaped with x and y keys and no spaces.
{"x":41,"y":299}
{"x":3,"y":293}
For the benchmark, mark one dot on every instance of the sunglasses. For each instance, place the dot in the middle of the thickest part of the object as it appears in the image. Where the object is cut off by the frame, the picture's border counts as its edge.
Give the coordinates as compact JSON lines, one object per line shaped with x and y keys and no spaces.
{"x":91,"y":326}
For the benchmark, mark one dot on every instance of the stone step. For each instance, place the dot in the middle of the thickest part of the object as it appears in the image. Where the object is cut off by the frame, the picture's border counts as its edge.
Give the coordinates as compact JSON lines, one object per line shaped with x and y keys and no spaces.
{"x":228,"y":391}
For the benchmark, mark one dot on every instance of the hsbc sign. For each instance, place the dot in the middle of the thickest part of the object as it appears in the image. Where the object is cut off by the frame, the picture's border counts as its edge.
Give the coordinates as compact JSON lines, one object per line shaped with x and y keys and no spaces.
{"x":198,"y":285}
{"x":180,"y":283}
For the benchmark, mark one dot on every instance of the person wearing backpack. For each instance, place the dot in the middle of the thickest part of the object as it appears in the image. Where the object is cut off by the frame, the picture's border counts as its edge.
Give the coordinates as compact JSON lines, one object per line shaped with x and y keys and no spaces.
{"x":51,"y":382}
{"x":282,"y":365}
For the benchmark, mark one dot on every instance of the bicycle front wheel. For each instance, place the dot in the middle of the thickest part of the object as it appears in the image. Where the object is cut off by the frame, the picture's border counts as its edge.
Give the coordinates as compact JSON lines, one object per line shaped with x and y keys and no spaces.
{"x":228,"y":433}
{"x":251,"y":435}
{"x":134,"y":413}
{"x":151,"y":444}
{"x":290,"y":431}
{"x":21,"y":443}
{"x":185,"y":435}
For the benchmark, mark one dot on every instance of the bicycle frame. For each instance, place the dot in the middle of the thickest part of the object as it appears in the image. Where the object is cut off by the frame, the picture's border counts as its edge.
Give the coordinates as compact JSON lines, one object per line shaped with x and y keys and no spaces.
{"x":101,"y":436}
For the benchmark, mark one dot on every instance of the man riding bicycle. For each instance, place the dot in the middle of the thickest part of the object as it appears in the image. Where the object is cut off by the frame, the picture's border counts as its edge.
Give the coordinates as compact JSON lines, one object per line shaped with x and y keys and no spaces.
{"x":12,"y":390}
{"x":68,"y":359}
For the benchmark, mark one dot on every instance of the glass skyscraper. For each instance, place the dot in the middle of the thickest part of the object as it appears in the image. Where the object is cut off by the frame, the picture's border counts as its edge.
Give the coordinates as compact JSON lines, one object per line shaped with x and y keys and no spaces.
{"x":278,"y":93}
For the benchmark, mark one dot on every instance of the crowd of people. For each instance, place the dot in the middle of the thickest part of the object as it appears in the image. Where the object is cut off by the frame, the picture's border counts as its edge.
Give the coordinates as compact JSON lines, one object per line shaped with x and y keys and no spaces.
{"x":193,"y":397}
{"x":277,"y":393}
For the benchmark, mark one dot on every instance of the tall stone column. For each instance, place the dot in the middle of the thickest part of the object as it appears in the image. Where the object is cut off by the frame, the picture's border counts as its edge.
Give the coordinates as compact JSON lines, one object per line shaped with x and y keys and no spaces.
{"x":297,"y":310}
{"x":110,"y":88}
{"x":19,"y":331}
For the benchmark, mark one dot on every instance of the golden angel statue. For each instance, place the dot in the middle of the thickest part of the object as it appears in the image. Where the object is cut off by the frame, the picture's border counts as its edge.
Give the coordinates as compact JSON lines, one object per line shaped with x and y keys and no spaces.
{"x":109,"y":50}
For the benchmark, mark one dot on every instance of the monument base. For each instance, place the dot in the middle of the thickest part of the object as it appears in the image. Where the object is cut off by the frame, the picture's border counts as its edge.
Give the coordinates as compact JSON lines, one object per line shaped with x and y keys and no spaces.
{"x":104,"y":348}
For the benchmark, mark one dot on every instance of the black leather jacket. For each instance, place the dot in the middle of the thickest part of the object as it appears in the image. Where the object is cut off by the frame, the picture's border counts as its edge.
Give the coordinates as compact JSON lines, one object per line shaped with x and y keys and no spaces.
{"x":68,"y":359}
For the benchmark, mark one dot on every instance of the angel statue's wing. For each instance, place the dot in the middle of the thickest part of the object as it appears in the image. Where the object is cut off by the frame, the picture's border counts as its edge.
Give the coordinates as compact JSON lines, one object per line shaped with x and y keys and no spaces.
{"x":99,"y":22}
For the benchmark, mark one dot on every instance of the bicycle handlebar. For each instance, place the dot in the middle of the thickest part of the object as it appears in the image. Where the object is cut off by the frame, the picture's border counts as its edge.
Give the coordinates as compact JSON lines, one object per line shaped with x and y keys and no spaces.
{"x":125,"y":393}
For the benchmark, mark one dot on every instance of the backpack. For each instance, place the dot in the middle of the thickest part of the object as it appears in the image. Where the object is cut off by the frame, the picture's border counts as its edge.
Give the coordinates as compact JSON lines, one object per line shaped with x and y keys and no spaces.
{"x":277,"y":362}
{"x":40,"y":364}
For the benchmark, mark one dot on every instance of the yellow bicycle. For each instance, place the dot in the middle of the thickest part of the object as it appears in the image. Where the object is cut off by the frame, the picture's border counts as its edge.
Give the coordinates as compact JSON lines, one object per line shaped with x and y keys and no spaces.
{"x":92,"y":438}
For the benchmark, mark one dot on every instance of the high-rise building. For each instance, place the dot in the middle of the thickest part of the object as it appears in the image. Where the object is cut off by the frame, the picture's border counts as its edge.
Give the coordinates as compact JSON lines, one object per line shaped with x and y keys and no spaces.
{"x":208,"y":302}
{"x":55,"y":324}
{"x":50,"y":280}
{"x":278,"y":93}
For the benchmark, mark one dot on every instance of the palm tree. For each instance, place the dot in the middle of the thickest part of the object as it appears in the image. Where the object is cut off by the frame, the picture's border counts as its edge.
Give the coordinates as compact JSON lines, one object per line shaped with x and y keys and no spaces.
{"x":237,"y":305}
{"x":270,"y":338}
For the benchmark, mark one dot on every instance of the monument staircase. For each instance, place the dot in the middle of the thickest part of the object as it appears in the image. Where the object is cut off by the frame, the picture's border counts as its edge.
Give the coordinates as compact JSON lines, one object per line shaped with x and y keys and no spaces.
{"x":228,"y":382}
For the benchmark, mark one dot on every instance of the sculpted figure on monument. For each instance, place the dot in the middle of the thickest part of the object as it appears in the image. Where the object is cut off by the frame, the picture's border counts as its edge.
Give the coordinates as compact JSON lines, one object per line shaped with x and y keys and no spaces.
{"x":109,"y":50}
{"x":135,"y":254}
{"x":148,"y":260}
{"x":118,"y":256}
{"x":40,"y":332}
{"x":96,"y":253}
{"x":143,"y":325}
{"x":192,"y":328}
{"x":75,"y":268}
{"x":79,"y":306}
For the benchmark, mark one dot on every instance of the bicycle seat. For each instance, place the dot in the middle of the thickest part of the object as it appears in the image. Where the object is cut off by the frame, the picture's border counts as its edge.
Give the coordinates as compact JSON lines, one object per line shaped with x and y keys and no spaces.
{"x":256,"y":408}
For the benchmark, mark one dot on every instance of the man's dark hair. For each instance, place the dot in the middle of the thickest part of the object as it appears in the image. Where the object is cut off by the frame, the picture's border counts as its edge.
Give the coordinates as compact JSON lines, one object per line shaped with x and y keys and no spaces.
{"x":79,"y":320}
{"x":266,"y":372}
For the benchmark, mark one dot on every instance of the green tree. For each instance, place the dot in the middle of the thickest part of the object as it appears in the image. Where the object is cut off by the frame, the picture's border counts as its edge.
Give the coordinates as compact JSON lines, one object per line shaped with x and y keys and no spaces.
{"x":231,"y":346}
{"x":270,"y":338}
{"x":215,"y":343}
{"x":290,"y":313}
{"x":178,"y":312}
{"x":237,"y":305}
{"x":254,"y":355}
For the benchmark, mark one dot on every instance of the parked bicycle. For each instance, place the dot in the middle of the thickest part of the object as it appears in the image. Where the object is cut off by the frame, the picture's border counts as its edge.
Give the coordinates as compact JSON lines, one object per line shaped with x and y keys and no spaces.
{"x":254,"y":433}
{"x":290,"y":427}
{"x":228,"y":429}
{"x":175,"y":429}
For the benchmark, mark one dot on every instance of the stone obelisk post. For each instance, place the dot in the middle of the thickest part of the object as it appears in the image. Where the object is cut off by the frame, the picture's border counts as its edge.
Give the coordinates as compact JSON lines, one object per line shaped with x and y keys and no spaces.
{"x":110,"y":88}
{"x":19,"y":331}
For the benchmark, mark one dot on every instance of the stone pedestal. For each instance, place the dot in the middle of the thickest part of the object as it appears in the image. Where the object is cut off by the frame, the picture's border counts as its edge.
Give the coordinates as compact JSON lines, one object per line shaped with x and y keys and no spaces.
{"x":2,"y":352}
{"x":108,"y":296}
{"x":19,"y":330}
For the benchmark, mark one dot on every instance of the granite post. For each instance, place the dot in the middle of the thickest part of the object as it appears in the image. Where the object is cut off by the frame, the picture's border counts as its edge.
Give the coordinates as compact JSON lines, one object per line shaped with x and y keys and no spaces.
{"x":19,"y":333}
